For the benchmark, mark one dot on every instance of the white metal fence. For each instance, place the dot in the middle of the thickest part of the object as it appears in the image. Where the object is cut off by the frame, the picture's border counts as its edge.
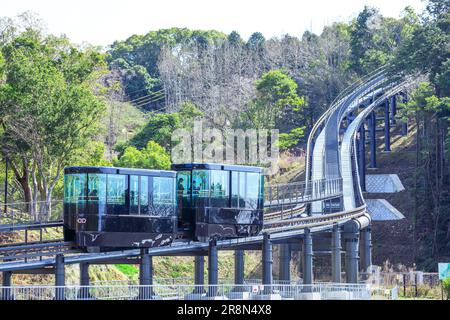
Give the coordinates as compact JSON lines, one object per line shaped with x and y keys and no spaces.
{"x":321,"y":291}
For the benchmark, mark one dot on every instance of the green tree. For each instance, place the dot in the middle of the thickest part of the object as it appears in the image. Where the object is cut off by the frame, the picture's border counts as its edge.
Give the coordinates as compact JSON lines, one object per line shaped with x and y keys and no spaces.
{"x":277,"y":101}
{"x":159,"y":128}
{"x":48,"y":108}
{"x":288,"y":140}
{"x":153,"y":156}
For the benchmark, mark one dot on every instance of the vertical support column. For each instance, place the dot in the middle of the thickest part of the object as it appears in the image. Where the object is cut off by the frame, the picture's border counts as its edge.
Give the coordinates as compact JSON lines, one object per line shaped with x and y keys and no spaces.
{"x":387,"y":127}
{"x":267,"y":263}
{"x":285,"y":262}
{"x":145,"y":275}
{"x":405,"y":124}
{"x":59,"y":277}
{"x":336,"y":254}
{"x":239,"y":267}
{"x":307,"y":257}
{"x":362,"y":157}
{"x":199,"y":276}
{"x":366,"y":262}
{"x":84,"y":281}
{"x":212,"y":268}
{"x":373,"y":141}
{"x":6,"y":184}
{"x":393,"y":108}
{"x":351,"y":229}
{"x":6,"y":283}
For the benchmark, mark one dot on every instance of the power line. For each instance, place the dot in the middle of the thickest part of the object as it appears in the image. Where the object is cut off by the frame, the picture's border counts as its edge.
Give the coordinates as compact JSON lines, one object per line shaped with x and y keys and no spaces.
{"x":146,"y":96}
{"x":149,"y":101}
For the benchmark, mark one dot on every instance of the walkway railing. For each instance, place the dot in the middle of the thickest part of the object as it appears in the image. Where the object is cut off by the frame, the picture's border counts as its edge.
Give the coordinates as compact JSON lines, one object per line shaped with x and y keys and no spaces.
{"x":31,"y":212}
{"x":301,"y":192}
{"x":320,"y":291}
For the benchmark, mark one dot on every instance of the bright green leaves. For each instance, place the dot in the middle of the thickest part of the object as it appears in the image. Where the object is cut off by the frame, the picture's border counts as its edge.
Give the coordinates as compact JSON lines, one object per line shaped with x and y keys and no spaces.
{"x":153,"y":156}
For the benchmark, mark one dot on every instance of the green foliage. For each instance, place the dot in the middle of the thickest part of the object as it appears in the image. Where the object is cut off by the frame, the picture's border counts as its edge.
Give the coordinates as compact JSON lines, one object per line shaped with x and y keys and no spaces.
{"x":159,"y":127}
{"x":374,"y":38}
{"x":446,"y":284}
{"x":276,"y":99}
{"x":49,"y":110}
{"x":153,"y":156}
{"x":137,"y":57}
{"x":288,"y":140}
{"x":127,"y":269}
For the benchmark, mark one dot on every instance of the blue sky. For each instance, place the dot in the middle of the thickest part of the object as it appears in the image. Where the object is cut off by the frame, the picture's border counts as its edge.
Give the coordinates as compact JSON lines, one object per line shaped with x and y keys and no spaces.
{"x":100,"y":22}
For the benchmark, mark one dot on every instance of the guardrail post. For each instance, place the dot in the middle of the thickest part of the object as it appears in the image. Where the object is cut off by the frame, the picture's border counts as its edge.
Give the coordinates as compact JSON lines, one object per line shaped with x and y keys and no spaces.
{"x":59,"y":277}
{"x":362,"y":157}
{"x":307,"y":257}
{"x":366,"y":234}
{"x":387,"y":127}
{"x":145,"y":275}
{"x":84,"y":281}
{"x":212,"y":268}
{"x":239,"y":267}
{"x":6,"y":283}
{"x":373,"y":141}
{"x":199,"y":274}
{"x":267,"y":263}
{"x":336,"y":254}
{"x":285,"y":262}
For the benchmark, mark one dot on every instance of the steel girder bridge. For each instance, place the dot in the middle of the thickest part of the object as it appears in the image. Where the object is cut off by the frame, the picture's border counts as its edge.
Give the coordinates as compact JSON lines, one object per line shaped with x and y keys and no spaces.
{"x":324,"y":214}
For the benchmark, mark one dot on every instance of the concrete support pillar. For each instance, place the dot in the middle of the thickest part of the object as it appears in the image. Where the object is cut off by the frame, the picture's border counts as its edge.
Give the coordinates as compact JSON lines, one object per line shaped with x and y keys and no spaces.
{"x":351,"y":255}
{"x":373,"y":141}
{"x":213,"y":275}
{"x":285,"y":262}
{"x":59,"y":277}
{"x":6,"y":284}
{"x":145,"y":275}
{"x":362,"y":157}
{"x":199,"y":274}
{"x":387,"y":127}
{"x":336,"y":254}
{"x":267,"y":263}
{"x":239,"y":266}
{"x":307,"y":257}
{"x":84,"y":281}
{"x":366,"y":238}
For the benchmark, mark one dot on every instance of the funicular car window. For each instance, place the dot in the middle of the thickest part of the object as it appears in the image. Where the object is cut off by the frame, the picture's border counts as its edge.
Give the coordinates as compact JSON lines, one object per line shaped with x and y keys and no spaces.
{"x":200,"y":188}
{"x":75,"y":193}
{"x":134,"y":194}
{"x":116,"y":186}
{"x":234,"y":189}
{"x":253,"y":186}
{"x":163,"y":197}
{"x":143,"y":195}
{"x":219,"y":188}
{"x":96,"y":193}
{"x":74,"y":188}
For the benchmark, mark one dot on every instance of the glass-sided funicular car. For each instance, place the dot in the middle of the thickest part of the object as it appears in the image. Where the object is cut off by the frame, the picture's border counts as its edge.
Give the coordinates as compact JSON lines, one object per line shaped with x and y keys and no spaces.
{"x":219,"y":201}
{"x":119,"y":208}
